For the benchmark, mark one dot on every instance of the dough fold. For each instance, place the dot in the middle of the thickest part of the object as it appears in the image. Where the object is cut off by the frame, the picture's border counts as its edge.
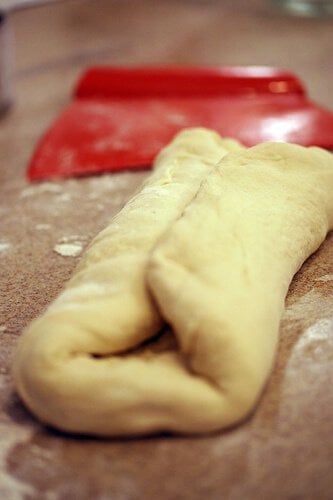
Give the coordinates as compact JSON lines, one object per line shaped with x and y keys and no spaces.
{"x":70,"y":368}
{"x":220,"y":274}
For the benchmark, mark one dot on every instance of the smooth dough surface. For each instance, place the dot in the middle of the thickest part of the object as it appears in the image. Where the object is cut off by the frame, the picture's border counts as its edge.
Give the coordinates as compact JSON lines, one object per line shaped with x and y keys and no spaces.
{"x":220,"y":274}
{"x":69,"y":367}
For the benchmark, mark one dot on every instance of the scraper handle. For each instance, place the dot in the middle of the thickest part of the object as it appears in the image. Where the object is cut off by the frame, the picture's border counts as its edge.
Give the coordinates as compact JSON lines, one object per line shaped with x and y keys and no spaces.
{"x":104,"y":82}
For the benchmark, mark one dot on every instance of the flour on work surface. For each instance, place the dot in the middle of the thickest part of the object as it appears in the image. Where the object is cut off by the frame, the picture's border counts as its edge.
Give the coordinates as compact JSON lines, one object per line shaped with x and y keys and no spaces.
{"x":63,"y":197}
{"x":109,"y":182}
{"x":72,"y":238}
{"x":69,"y":249}
{"x":320,"y":331}
{"x":310,"y":304}
{"x":326,"y":277}
{"x":311,"y":357}
{"x":12,"y":488}
{"x":43,"y":227}
{"x":70,"y":246}
{"x":45,"y":187}
{"x":4,"y":246}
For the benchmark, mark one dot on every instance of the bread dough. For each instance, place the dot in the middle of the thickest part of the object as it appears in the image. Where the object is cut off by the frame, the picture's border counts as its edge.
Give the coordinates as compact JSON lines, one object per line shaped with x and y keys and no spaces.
{"x":220,"y":274}
{"x":66,"y":368}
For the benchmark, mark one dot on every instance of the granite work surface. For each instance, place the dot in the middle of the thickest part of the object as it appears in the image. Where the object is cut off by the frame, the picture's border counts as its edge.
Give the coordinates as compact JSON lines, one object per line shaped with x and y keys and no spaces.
{"x":285,"y":449}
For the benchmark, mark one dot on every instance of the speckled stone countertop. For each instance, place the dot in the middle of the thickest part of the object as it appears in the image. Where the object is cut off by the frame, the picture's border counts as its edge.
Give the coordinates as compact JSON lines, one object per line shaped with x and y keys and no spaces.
{"x":285,"y":449}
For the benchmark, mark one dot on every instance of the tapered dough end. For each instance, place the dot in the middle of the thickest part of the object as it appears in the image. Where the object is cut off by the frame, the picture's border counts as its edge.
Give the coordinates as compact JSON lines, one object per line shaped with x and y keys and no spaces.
{"x":198,"y":142}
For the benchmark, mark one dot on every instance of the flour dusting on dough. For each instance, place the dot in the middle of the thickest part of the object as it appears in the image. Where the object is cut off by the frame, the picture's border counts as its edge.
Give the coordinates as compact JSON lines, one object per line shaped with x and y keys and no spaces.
{"x":69,"y":249}
{"x":77,"y":296}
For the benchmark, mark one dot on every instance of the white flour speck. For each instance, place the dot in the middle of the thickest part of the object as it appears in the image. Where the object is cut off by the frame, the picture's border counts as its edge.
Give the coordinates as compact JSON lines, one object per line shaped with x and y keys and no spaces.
{"x":69,"y":249}
{"x":43,"y":227}
{"x":107,"y":183}
{"x":4,"y":246}
{"x":45,"y":187}
{"x":72,"y":239}
{"x":326,"y":277}
{"x":3,"y":328}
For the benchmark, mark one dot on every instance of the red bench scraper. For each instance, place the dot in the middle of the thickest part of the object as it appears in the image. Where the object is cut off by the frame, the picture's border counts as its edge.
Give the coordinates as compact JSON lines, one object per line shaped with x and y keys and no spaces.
{"x":120,"y":118}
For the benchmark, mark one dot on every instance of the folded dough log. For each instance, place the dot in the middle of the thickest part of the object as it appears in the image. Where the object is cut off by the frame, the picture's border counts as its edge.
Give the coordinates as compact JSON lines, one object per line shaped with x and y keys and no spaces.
{"x":65,"y":367}
{"x":221,"y":273}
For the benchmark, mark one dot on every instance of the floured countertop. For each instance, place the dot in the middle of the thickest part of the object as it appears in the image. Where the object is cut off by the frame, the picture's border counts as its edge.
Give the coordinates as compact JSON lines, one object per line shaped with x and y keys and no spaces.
{"x":285,"y":450}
